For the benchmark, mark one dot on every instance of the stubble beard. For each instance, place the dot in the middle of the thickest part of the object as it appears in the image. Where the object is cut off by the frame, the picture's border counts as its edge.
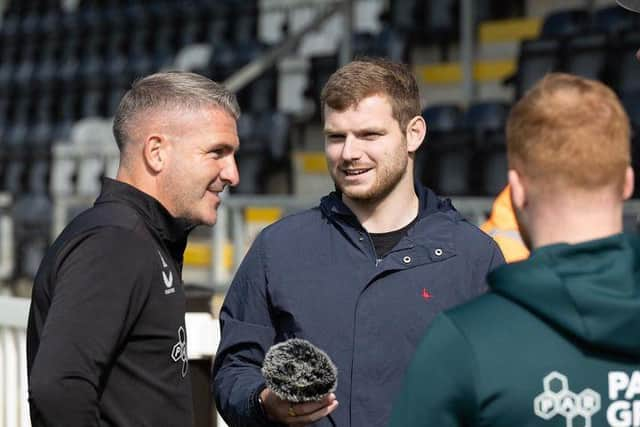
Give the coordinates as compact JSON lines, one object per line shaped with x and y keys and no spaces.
{"x":183,"y":203}
{"x":386,"y":180}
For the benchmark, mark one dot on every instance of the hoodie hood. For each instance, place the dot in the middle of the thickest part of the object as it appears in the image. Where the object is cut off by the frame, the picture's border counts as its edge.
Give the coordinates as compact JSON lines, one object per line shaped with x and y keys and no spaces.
{"x":589,"y":290}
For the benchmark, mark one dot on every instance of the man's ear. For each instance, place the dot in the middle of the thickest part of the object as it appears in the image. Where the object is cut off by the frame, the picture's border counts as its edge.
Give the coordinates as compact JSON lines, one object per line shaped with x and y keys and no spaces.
{"x":154,"y":152}
{"x":518,"y":191}
{"x":416,"y":131}
{"x":629,"y":182}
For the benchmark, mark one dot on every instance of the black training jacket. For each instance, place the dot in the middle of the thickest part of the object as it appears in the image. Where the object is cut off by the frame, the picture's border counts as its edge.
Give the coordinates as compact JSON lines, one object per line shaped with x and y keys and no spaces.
{"x":106,"y":340}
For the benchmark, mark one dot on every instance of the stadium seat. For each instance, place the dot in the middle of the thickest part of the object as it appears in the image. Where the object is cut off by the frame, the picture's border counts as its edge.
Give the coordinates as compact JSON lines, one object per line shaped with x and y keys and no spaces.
{"x":245,"y":21}
{"x":485,"y":117}
{"x":402,"y":15}
{"x":272,"y":128}
{"x":38,"y":173}
{"x":115,"y":60}
{"x":586,"y":56}
{"x":92,"y":63}
{"x":444,"y":160}
{"x":536,"y":58}
{"x":15,"y":165}
{"x":193,"y":57}
{"x":42,"y":127}
{"x":321,"y":68}
{"x":393,"y":45}
{"x":485,"y":123}
{"x":627,"y":80}
{"x":388,"y":43}
{"x":47,"y":67}
{"x":32,"y":224}
{"x":443,"y":118}
{"x":631,"y":102}
{"x":439,"y":24}
{"x":25,"y":67}
{"x":250,"y":157}
{"x":563,"y":23}
{"x":613,"y":19}
{"x":69,"y":62}
{"x":444,"y":121}
{"x":93,"y":138}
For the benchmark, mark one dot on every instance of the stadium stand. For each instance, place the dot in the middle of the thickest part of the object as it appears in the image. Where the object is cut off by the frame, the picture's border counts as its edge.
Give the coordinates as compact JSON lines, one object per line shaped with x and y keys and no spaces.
{"x":64,"y":66}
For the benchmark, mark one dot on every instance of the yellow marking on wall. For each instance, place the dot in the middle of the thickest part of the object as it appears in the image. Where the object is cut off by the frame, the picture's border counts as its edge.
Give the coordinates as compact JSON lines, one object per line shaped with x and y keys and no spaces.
{"x":451,"y":73}
{"x":313,"y":162}
{"x":200,"y":255}
{"x":509,"y":30}
{"x":262,"y":214}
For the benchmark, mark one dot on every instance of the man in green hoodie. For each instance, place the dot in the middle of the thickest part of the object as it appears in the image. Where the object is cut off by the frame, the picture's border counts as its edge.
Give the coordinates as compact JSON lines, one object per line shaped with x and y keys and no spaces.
{"x":557,"y":341}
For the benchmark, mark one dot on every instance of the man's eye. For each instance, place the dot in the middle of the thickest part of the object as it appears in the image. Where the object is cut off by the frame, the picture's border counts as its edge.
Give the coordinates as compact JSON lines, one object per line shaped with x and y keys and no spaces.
{"x":335,"y":138}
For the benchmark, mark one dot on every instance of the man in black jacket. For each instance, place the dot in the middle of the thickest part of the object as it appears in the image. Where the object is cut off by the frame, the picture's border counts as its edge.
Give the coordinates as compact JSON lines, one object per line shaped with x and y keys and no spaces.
{"x":106,"y":335}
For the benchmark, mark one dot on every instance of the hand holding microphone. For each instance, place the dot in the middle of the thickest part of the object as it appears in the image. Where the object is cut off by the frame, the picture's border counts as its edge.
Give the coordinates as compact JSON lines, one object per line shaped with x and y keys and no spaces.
{"x":301,"y":380}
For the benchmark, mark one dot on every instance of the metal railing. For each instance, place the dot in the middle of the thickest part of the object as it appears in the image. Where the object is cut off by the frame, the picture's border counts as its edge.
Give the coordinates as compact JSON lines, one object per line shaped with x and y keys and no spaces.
{"x":232,"y":227}
{"x":14,"y":410}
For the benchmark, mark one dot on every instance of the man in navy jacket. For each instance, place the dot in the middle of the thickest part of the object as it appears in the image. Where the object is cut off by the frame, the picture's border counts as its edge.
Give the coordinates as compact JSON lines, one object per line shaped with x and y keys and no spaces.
{"x":359,"y":276}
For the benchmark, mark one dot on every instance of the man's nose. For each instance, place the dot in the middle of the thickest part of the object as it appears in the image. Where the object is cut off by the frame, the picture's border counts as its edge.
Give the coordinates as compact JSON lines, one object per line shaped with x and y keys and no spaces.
{"x":229,"y":172}
{"x":351,"y":149}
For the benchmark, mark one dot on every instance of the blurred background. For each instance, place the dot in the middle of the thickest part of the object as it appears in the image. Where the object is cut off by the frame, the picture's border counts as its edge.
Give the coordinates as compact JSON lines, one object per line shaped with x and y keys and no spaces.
{"x":64,"y":65}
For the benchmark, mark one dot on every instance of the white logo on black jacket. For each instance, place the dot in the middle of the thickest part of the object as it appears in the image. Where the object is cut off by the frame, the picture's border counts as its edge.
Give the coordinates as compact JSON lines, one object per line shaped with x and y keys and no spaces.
{"x":167,"y":276}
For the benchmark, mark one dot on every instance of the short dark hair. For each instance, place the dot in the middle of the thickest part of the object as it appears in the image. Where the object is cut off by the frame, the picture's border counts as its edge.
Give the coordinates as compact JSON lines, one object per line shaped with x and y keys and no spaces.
{"x":170,"y":90}
{"x":374,"y":76}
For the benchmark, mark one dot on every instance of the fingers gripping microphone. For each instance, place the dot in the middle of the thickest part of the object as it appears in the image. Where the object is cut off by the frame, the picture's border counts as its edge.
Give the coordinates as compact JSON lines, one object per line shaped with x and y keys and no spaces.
{"x":297,"y":371}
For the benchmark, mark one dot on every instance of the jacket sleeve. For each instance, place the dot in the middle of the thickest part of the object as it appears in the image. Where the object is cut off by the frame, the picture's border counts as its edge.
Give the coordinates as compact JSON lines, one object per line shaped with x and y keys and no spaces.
{"x":439,"y":388}
{"x":486,"y":260}
{"x":98,"y":294}
{"x":497,"y":259}
{"x":247,"y":333}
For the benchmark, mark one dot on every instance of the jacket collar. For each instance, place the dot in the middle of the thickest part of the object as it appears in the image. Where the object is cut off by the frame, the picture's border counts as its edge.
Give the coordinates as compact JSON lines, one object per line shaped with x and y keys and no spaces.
{"x":173,"y":231}
{"x":332,"y":204}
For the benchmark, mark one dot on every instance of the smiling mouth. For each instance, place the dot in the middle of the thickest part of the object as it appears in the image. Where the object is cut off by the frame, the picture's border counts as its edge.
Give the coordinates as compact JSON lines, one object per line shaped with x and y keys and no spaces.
{"x":355,"y":172}
{"x":215,"y":190}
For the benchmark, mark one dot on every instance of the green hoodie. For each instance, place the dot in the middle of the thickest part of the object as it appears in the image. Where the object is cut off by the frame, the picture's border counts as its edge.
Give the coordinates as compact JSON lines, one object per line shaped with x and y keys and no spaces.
{"x":555,"y":344}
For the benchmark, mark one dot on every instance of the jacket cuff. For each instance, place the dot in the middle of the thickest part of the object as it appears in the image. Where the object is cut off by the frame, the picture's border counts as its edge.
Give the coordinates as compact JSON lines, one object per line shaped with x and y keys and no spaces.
{"x":256,"y":411}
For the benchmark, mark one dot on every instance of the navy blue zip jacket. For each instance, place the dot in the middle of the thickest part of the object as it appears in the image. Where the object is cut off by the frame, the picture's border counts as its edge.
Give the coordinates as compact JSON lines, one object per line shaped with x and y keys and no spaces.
{"x":315,"y":275}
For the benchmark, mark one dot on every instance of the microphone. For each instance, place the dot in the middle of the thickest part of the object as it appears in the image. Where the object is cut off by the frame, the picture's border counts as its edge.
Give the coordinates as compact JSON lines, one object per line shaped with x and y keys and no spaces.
{"x":297,"y":371}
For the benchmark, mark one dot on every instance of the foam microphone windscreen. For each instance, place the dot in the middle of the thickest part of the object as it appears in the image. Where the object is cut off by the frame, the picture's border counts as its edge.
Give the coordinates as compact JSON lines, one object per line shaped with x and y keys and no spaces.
{"x":297,"y":371}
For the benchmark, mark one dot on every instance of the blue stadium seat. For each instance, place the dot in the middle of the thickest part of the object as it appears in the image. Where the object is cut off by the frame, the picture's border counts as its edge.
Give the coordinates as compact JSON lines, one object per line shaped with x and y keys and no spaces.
{"x":613,"y":19}
{"x":321,"y":68}
{"x":485,"y":123}
{"x":486,"y":117}
{"x":586,"y":56}
{"x":536,"y":58}
{"x":444,"y":160}
{"x":631,"y":102}
{"x":627,"y":80}
{"x":32,"y":224}
{"x":388,"y":43}
{"x":443,"y":118}
{"x":15,"y":166}
{"x":563,"y":23}
{"x":402,"y":15}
